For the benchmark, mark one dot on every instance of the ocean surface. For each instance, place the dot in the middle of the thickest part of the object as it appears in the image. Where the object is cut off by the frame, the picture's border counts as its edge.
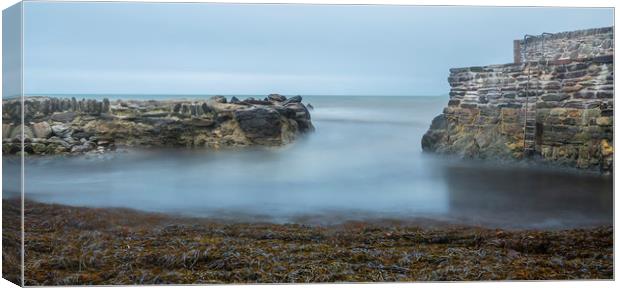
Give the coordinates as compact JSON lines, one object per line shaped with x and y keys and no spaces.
{"x":363,"y":162}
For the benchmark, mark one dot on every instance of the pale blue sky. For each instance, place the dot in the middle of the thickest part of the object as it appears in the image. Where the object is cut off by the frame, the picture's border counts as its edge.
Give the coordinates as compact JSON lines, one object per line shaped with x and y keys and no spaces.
{"x":204,"y":48}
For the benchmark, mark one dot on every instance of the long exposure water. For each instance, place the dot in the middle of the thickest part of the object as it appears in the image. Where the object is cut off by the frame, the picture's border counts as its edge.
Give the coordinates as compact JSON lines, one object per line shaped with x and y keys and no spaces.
{"x":363,"y":162}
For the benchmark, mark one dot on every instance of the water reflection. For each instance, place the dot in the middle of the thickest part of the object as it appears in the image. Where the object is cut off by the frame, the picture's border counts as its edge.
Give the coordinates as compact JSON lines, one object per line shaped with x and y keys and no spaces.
{"x":528,"y":197}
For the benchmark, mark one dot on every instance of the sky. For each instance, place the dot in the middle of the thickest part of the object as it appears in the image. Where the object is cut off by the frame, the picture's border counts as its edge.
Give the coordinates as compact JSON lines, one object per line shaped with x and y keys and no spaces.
{"x":202,"y":48}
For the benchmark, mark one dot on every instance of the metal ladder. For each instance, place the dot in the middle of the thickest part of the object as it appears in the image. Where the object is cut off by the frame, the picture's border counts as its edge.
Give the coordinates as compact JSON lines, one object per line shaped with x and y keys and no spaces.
{"x":529,"y":123}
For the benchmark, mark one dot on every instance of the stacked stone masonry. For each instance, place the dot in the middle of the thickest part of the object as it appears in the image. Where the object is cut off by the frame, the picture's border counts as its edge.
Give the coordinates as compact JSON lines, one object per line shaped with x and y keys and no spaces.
{"x":566,"y":45}
{"x":572,"y":100}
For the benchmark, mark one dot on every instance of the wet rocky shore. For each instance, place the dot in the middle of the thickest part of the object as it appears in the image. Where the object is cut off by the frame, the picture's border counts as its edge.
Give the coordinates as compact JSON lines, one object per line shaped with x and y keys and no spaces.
{"x":121,"y":246}
{"x":71,"y":126}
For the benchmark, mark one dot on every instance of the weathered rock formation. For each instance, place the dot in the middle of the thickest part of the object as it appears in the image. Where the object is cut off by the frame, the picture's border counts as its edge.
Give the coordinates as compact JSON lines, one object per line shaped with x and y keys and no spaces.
{"x":60,"y":126}
{"x":570,"y":100}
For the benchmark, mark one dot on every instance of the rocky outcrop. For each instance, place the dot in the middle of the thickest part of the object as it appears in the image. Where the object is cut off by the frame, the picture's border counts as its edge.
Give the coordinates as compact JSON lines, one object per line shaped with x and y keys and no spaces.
{"x":569,"y":102}
{"x":70,"y":126}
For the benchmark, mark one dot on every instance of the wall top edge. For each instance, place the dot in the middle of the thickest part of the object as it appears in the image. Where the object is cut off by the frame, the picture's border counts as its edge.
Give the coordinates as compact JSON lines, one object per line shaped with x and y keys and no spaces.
{"x":598,"y":59}
{"x":571,"y":34}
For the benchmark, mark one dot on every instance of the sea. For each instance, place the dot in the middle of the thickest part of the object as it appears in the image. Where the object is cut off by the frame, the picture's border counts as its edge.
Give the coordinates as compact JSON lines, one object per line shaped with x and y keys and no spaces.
{"x":363,"y":162}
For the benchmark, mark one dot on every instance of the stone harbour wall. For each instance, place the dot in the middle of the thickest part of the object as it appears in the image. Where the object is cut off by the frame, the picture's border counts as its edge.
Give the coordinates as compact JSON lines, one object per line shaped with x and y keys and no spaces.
{"x":578,"y":44}
{"x":572,"y":101}
{"x":71,"y":126}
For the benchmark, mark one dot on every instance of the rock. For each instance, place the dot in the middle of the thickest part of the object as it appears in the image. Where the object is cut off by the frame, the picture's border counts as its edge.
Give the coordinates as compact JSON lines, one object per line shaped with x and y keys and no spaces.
{"x":71,"y":141}
{"x":176,"y":108}
{"x":218,"y":99}
{"x":554,"y":97}
{"x":61,"y":130}
{"x":301,"y":116}
{"x":59,"y":150}
{"x":300,"y":110}
{"x":439,"y":123}
{"x":84,"y":147}
{"x":106,"y":105}
{"x":606,"y":148}
{"x":39,"y":148}
{"x":42,"y":130}
{"x":17,"y":132}
{"x":74,"y":104}
{"x":259,"y":124}
{"x":256,"y":102}
{"x":6,"y":131}
{"x":64,"y":117}
{"x":295,"y":99}
{"x":431,"y":140}
{"x":604,"y":121}
{"x":604,"y":94}
{"x":285,"y":111}
{"x":206,"y":108}
{"x":82,"y":126}
{"x":234,"y":100}
{"x":10,"y":148}
{"x":276,"y":97}
{"x":310,"y":107}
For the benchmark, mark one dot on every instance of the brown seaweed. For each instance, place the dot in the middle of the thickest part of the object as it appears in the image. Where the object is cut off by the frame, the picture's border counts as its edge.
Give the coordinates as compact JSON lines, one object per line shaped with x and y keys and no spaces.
{"x":71,"y":245}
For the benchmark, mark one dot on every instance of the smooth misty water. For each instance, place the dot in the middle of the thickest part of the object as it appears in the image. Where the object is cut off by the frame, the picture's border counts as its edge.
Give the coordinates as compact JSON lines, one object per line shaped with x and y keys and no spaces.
{"x":364,"y":161}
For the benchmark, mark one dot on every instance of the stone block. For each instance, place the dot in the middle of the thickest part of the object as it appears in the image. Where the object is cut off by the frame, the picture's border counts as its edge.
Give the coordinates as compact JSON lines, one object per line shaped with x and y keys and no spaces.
{"x":554,"y":97}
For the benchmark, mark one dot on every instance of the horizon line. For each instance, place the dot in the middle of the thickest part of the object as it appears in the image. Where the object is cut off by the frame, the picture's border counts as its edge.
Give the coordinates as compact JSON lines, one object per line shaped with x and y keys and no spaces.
{"x":228,"y":94}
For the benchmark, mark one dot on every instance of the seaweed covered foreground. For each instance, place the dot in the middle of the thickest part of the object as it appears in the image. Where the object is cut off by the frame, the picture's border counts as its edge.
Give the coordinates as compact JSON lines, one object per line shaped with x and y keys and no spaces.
{"x":73,"y":245}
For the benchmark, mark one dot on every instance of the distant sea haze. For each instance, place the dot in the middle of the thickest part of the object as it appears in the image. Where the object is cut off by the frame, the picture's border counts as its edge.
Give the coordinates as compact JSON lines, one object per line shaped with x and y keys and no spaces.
{"x":363,"y":161}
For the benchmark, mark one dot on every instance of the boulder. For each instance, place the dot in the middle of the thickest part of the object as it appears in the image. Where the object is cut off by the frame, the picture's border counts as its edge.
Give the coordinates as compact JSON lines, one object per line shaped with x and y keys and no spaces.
{"x":84,"y":147}
{"x":42,"y":130}
{"x":6,"y":130}
{"x":39,"y":148}
{"x":295,"y":99}
{"x":218,"y":99}
{"x":106,"y":105}
{"x":256,"y":102}
{"x":276,"y":97}
{"x":259,"y":123}
{"x":432,"y":139}
{"x":234,"y":100}
{"x":64,"y":117}
{"x":301,"y":115}
{"x":61,"y":130}
{"x":17,"y":132}
{"x":79,"y":134}
{"x":301,"y":112}
{"x":176,"y":108}
{"x":206,"y":108}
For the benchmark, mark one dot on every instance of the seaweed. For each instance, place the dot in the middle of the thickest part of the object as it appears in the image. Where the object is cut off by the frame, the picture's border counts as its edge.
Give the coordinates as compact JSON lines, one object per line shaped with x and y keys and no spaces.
{"x":74,"y":245}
